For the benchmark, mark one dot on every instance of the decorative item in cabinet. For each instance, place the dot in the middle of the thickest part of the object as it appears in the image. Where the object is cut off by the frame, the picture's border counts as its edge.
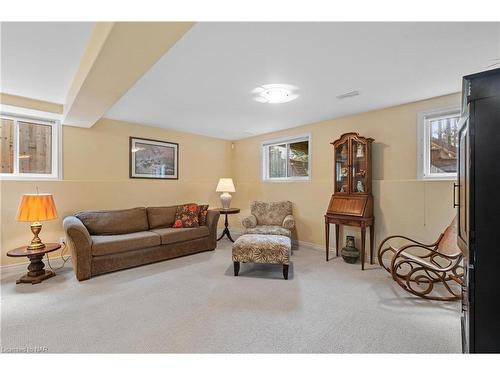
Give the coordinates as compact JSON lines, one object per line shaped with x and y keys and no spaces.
{"x":352,"y":201}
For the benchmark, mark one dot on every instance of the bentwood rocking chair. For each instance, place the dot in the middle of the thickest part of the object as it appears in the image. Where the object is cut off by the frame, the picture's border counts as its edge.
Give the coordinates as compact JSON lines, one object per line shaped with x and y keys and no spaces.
{"x":439,"y":263}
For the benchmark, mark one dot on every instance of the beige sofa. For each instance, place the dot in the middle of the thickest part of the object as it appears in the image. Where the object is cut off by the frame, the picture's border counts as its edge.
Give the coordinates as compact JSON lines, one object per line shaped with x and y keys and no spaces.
{"x":105,"y":241}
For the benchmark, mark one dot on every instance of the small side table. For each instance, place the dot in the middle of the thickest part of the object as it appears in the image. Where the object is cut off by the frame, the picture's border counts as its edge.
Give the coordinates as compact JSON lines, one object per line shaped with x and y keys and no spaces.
{"x":36,"y":269}
{"x":227,"y":211}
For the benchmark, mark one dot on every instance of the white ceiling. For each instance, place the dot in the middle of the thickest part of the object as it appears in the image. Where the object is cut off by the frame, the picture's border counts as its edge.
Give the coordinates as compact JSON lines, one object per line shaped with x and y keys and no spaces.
{"x":40,"y":59}
{"x":203,"y":84}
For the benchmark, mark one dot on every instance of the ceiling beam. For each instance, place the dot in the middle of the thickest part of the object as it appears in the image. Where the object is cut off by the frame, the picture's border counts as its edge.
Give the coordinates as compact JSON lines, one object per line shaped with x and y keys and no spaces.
{"x":39,"y":105}
{"x":117,"y":55}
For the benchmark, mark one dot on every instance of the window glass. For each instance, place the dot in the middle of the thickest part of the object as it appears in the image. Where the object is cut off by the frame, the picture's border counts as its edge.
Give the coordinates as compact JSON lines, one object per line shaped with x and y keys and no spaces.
{"x":298,"y":160}
{"x":277,"y":161}
{"x":7,"y":145}
{"x":443,"y":145}
{"x":287,"y":159}
{"x":438,"y":144}
{"x":29,"y":148}
{"x":35,"y":148}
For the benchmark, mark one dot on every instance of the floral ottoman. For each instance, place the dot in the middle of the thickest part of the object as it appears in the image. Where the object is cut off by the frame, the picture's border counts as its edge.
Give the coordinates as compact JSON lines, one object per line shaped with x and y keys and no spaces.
{"x":262,"y":248}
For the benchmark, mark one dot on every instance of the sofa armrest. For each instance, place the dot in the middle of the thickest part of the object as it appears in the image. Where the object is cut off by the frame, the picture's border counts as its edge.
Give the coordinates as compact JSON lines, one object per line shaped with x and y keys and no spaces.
{"x":80,"y":244}
{"x":212,"y":221}
{"x":288,"y":222}
{"x":249,"y":221}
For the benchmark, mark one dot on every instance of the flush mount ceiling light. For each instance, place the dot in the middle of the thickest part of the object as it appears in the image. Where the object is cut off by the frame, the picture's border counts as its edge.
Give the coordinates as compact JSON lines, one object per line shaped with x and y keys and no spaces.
{"x":275,"y":93}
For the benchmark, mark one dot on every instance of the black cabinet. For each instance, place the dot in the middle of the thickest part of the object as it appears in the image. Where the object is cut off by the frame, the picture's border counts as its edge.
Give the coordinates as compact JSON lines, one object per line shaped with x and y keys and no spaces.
{"x":479,"y":211}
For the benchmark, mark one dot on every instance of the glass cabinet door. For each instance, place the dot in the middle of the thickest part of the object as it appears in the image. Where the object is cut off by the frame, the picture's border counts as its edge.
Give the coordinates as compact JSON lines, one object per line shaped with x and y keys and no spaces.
{"x":342,"y":168}
{"x":359,"y":167}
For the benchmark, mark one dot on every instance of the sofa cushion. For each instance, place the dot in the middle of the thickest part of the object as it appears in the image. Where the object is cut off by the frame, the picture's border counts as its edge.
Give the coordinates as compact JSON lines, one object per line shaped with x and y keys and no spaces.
{"x":186,"y":216}
{"x":172,"y":235}
{"x":161,"y":217}
{"x":119,"y":243}
{"x":269,"y":229}
{"x":115,"y":222}
{"x":202,"y":214}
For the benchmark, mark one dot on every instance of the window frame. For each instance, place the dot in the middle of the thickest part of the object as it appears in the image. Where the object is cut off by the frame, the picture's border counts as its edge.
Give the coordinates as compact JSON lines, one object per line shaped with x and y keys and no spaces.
{"x":279,"y":141}
{"x":56,"y":157}
{"x":424,"y":144}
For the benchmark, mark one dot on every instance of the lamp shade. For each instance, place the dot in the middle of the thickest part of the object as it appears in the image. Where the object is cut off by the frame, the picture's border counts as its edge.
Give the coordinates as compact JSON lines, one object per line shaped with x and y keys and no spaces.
{"x":36,"y":207}
{"x":225,"y":185}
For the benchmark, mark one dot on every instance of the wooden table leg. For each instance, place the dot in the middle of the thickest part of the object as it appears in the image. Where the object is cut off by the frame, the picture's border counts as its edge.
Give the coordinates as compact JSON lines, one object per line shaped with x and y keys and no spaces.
{"x":337,"y":227}
{"x":327,"y":238}
{"x":236,"y":268}
{"x":372,"y":235}
{"x":285,"y":271}
{"x":36,"y":271}
{"x":226,"y":231}
{"x":363,"y":238}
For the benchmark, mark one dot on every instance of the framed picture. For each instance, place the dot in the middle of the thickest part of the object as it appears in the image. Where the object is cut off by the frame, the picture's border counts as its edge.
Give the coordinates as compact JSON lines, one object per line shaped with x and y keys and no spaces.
{"x":153,"y":159}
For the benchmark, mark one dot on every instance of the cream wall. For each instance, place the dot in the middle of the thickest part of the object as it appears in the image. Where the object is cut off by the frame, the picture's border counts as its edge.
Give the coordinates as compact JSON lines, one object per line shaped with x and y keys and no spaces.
{"x":96,"y":176}
{"x":403,"y":204}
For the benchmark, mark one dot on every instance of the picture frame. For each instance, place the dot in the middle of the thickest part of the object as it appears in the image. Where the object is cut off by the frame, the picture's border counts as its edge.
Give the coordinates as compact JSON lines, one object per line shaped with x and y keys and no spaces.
{"x":153,"y":159}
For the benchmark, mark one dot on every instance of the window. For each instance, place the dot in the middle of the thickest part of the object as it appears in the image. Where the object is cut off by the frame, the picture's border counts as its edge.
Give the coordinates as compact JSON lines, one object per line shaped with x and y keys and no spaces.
{"x":287,"y":159}
{"x":438,"y":144}
{"x":29,"y":149}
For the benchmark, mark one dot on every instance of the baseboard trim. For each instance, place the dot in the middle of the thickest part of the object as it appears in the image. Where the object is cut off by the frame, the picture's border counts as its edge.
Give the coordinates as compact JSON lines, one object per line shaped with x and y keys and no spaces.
{"x":310,"y":245}
{"x":25,"y":263}
{"x":236,"y":232}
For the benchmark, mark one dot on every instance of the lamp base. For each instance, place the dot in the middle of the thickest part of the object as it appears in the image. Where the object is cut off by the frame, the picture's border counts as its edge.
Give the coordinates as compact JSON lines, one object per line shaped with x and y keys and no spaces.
{"x":36,"y":242}
{"x":225,"y":199}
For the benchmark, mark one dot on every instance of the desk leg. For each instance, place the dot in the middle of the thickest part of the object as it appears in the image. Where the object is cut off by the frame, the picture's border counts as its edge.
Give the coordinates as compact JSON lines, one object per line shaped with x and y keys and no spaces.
{"x":363,"y":240}
{"x":372,"y":234}
{"x":337,"y":227}
{"x":327,"y":238}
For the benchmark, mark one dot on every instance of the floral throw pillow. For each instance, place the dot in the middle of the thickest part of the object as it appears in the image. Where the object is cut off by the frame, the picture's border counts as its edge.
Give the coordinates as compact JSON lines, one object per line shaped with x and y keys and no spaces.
{"x":202,"y":216}
{"x":186,"y":216}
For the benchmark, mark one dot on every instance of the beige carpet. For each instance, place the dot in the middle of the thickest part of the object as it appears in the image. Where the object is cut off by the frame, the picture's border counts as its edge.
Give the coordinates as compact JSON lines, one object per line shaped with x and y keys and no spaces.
{"x":195,"y":304}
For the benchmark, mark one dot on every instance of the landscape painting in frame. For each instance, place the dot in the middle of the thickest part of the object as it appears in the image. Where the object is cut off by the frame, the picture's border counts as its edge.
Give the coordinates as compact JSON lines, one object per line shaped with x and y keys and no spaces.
{"x":153,"y":159}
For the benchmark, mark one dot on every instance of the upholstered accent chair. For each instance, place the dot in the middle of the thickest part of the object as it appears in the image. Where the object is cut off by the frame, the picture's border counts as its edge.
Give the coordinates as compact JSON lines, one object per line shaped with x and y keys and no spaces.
{"x":270,"y":218}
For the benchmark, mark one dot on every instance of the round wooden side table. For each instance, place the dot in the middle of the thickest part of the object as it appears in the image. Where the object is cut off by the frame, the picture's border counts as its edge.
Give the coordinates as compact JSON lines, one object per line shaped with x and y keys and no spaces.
{"x":36,"y":269}
{"x":227,"y":211}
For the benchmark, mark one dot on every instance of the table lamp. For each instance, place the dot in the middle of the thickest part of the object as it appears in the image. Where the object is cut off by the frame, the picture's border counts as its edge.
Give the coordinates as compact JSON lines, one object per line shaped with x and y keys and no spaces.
{"x":225,"y":186}
{"x":36,"y":208}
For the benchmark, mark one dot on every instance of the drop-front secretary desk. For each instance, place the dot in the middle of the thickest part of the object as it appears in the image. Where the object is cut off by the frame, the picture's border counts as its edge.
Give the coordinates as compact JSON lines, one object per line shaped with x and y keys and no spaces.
{"x":352,"y":201}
